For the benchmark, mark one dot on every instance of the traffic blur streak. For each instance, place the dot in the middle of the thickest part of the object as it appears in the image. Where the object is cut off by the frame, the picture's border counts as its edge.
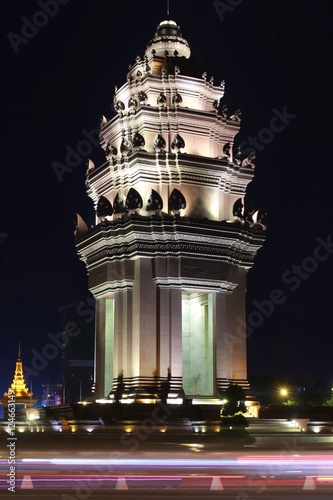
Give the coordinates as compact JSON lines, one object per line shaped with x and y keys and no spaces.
{"x":257,"y":470}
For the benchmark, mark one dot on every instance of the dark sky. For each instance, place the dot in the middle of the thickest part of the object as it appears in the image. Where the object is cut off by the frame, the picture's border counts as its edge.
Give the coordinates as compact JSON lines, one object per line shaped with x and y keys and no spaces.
{"x":276,"y":57}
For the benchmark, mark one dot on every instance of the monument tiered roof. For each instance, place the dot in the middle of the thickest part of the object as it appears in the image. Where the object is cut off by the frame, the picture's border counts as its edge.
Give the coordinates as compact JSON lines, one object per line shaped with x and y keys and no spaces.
{"x":18,"y":385}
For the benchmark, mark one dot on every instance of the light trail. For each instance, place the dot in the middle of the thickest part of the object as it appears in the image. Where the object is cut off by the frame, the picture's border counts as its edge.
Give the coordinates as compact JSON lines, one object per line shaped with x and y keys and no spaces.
{"x":249,"y":470}
{"x":312,"y":461}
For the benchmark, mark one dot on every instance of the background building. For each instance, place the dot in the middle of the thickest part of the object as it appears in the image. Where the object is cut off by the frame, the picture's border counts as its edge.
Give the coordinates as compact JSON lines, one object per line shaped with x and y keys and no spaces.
{"x":78,"y":351}
{"x":51,"y":395}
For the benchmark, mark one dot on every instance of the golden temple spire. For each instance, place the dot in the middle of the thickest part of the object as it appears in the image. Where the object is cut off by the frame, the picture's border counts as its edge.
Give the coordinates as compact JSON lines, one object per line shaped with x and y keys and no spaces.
{"x":18,"y":385}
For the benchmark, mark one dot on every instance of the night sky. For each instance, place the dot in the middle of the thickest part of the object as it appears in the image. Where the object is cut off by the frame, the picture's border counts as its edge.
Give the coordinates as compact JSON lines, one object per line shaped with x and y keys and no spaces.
{"x":276,"y":59}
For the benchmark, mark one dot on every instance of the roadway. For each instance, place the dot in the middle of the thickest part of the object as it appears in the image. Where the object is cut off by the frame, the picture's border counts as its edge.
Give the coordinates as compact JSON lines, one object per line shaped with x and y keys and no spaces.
{"x":83,"y":466}
{"x":188,"y":495}
{"x":196,"y":473}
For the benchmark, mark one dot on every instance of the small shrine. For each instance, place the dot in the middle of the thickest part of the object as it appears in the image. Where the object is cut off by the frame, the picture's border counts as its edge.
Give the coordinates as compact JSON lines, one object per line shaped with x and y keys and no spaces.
{"x":18,"y":393}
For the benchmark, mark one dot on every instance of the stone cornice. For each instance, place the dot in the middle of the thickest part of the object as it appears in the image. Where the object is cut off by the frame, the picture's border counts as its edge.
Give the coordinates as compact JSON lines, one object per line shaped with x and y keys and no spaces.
{"x":153,"y":84}
{"x":152,"y":119}
{"x":110,"y":287}
{"x":219,"y":286}
{"x":167,"y":236}
{"x":169,"y":169}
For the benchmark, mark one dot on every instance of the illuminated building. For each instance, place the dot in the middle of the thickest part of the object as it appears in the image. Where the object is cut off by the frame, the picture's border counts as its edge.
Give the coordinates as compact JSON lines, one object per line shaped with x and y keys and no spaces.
{"x":18,"y":392}
{"x":51,"y":395}
{"x":168,"y":256}
{"x":78,"y":350}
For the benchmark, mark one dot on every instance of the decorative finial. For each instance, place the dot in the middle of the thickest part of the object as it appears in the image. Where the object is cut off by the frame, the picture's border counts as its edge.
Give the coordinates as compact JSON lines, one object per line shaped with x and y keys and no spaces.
{"x":19,"y":351}
{"x":168,"y":8}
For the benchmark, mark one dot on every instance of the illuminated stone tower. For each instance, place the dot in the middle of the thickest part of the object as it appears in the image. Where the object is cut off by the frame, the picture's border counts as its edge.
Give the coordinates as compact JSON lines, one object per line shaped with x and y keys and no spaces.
{"x":18,"y":393}
{"x":168,"y":256}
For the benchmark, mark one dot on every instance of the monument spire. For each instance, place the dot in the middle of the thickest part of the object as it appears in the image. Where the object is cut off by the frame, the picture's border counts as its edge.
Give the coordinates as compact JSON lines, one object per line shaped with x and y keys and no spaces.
{"x":18,"y":385}
{"x":166,"y":262}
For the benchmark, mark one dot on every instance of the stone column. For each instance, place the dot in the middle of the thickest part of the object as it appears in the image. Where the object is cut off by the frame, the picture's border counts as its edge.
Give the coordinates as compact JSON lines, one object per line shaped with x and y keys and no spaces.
{"x":164,"y":332}
{"x":100,"y":348}
{"x":176,"y":362}
{"x":104,"y":346}
{"x":144,"y":356}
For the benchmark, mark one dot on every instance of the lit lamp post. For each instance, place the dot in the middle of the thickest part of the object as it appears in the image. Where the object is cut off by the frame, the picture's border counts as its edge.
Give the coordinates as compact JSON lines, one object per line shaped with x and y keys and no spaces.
{"x":284,"y":392}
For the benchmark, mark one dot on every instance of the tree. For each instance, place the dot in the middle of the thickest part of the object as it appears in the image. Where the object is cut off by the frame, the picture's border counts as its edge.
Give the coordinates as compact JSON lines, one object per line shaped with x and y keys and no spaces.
{"x":233,"y":422}
{"x":165,"y":388}
{"x":235,"y":401}
{"x":329,"y":402}
{"x":290,"y":402}
{"x":233,"y":408}
{"x":118,"y":393}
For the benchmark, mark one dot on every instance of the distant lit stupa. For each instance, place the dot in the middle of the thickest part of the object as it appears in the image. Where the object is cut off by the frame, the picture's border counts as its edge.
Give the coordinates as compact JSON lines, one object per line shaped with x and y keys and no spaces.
{"x":23,"y":398}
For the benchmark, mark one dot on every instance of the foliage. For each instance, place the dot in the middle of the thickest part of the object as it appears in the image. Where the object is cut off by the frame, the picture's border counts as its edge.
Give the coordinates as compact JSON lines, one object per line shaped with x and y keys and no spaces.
{"x":328,"y":402}
{"x":237,"y":420}
{"x":290,"y":402}
{"x":165,"y":388}
{"x":233,"y":422}
{"x":118,"y":394}
{"x":235,"y":401}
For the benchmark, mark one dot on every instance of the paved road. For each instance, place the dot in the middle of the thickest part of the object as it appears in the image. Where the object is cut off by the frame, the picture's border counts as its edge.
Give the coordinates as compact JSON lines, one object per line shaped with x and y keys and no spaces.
{"x":167,"y":495}
{"x":241,"y":475}
{"x":83,"y":467}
